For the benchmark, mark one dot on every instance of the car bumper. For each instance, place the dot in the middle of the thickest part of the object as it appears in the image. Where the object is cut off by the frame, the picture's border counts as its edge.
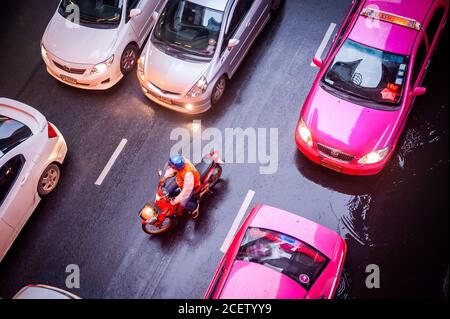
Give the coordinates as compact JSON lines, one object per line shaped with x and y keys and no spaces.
{"x":85,"y":80}
{"x":176,"y":102}
{"x":350,"y":168}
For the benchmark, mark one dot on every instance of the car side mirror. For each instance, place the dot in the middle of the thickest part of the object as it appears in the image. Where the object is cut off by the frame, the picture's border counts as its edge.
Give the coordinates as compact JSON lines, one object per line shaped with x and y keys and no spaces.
{"x":135,"y":12}
{"x":318,"y":62}
{"x":232,"y":43}
{"x":155,"y":16}
{"x":419,"y":90}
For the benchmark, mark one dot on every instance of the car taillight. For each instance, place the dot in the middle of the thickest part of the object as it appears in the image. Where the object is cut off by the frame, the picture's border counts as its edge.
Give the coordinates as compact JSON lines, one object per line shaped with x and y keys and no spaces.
{"x":51,"y":131}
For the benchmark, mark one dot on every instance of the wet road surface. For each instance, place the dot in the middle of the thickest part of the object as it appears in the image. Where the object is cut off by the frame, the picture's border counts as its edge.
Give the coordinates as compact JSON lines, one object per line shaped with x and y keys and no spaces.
{"x":397,"y":220}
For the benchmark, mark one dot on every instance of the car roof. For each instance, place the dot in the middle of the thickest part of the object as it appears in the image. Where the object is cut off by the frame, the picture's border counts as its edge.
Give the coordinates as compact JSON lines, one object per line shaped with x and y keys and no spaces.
{"x":315,"y":235}
{"x":213,"y":4}
{"x":388,"y":36}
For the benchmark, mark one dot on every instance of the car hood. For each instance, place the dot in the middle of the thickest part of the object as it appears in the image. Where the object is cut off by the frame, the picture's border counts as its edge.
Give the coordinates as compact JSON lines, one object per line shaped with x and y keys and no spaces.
{"x":254,"y":281}
{"x":78,"y":44}
{"x":347,"y":126}
{"x":170,"y":73}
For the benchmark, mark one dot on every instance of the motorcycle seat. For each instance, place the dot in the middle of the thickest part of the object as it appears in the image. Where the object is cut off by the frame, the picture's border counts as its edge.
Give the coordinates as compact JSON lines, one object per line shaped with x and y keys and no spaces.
{"x":203,"y":169}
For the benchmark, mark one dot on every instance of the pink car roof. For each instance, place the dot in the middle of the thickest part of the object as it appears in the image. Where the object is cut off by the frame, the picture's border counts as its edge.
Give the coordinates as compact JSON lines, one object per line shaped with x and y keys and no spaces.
{"x":388,"y":36}
{"x":317,"y":236}
{"x":265,"y":283}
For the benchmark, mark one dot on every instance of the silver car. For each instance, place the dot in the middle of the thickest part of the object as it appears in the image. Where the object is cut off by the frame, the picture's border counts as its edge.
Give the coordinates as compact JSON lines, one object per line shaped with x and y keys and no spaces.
{"x":196,"y":46}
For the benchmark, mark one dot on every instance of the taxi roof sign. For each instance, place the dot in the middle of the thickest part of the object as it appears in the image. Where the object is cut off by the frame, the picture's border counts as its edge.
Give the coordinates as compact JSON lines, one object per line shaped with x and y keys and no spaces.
{"x":390,"y":17}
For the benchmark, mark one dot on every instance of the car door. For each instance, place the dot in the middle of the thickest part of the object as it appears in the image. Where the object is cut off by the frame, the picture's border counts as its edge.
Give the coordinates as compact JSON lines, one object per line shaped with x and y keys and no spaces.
{"x":6,"y":237}
{"x":239,"y":27}
{"x":17,"y":191}
{"x":143,"y":23}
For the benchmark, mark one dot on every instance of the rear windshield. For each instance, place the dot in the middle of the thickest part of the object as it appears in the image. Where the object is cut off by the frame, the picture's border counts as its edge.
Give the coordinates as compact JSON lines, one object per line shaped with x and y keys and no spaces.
{"x":364,"y":73}
{"x":284,"y":254}
{"x":12,"y":133}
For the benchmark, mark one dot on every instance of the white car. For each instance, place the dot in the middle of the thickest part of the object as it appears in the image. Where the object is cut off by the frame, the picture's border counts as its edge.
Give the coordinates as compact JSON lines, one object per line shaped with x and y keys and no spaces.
{"x":31,"y":153}
{"x":43,"y":292}
{"x":196,"y":47}
{"x":92,"y":44}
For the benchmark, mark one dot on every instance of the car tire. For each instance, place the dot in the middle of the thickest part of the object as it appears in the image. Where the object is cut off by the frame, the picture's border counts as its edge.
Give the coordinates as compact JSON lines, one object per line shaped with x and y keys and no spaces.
{"x":276,"y":4}
{"x":129,"y":58}
{"x":219,"y":90}
{"x":49,"y":179}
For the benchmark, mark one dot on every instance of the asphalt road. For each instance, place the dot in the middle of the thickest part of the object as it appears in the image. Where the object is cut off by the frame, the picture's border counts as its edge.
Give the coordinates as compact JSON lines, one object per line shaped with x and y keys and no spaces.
{"x":397,"y":220}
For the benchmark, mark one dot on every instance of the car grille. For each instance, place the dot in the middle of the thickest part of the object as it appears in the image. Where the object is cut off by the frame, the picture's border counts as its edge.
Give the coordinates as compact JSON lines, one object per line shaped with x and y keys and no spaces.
{"x":331,"y":152}
{"x":163,"y":91}
{"x":69,"y":70}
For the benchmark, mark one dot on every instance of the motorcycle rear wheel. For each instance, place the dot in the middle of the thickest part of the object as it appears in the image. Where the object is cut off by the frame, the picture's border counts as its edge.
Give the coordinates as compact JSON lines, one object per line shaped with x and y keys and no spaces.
{"x":154,"y":230}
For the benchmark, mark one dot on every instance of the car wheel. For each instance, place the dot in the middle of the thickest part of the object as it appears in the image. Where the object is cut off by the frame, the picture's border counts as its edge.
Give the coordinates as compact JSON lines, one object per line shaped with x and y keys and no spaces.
{"x":49,"y":179}
{"x":275,"y":5}
{"x":219,"y":90}
{"x":129,"y":59}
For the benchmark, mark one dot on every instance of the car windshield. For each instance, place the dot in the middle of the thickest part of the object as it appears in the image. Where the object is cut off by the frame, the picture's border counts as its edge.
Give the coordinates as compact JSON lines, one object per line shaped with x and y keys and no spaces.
{"x":368,"y":74}
{"x":284,"y":254}
{"x":189,"y":27}
{"x":12,"y":133}
{"x":93,"y":13}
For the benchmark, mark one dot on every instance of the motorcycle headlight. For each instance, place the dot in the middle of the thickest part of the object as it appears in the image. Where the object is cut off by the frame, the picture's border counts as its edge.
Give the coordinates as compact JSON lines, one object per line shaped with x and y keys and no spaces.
{"x":305,"y":133}
{"x":374,"y":157}
{"x":199,"y":88}
{"x":102,"y":67}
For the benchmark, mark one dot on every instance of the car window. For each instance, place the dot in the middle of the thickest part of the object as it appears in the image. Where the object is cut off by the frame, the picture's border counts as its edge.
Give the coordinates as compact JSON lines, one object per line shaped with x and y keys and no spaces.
{"x":8,"y":175}
{"x":189,"y":29}
{"x":283,"y":253}
{"x":364,"y":73}
{"x":433,"y":26}
{"x":96,"y":14}
{"x":419,"y":61}
{"x":12,"y":133}
{"x":131,"y":4}
{"x":241,"y":8}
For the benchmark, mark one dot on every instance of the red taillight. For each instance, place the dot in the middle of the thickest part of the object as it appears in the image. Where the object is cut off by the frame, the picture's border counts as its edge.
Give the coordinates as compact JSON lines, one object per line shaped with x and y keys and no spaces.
{"x":51,"y":131}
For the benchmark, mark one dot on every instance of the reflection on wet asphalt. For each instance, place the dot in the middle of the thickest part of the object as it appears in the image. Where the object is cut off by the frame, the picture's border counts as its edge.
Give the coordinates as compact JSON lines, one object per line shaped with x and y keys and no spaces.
{"x":397,"y":220}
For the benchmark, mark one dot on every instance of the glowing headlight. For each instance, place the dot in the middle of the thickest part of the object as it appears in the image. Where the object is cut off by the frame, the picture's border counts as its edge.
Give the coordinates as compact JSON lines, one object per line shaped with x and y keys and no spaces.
{"x":374,"y":157}
{"x":199,"y":88}
{"x":305,"y":133}
{"x":43,"y":51}
{"x":102,"y":67}
{"x":140,"y":64}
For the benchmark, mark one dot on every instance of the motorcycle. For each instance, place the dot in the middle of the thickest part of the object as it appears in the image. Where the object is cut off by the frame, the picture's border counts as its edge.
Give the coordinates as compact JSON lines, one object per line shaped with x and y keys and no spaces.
{"x":158,"y":217}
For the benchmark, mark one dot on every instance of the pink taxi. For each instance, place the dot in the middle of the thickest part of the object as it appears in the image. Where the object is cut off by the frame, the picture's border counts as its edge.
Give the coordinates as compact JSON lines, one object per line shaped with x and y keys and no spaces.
{"x":279,"y":255}
{"x":353,"y":117}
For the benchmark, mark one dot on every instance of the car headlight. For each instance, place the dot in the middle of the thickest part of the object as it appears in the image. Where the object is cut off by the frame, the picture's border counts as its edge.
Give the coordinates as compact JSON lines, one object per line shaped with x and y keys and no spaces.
{"x":102,"y":67}
{"x":199,"y":88}
{"x":305,"y":133}
{"x":374,"y":157}
{"x":43,"y":51}
{"x":140,"y":64}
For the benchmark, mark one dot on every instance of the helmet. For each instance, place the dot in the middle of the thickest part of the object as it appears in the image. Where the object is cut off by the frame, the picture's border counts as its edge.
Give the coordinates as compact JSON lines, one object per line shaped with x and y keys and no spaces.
{"x":176,"y":162}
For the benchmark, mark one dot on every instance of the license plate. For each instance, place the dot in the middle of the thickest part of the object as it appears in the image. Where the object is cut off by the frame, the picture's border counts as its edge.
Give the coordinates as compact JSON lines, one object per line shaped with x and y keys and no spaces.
{"x":334,"y":167}
{"x":66,"y":78}
{"x":164,"y":99}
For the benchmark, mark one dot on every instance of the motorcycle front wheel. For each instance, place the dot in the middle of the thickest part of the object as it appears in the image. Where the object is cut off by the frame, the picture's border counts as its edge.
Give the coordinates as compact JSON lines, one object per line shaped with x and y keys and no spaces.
{"x":152,"y":229}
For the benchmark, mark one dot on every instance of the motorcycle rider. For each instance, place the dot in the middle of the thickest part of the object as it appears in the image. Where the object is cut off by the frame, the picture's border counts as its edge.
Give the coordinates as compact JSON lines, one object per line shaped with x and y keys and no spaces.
{"x":188,"y":179}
